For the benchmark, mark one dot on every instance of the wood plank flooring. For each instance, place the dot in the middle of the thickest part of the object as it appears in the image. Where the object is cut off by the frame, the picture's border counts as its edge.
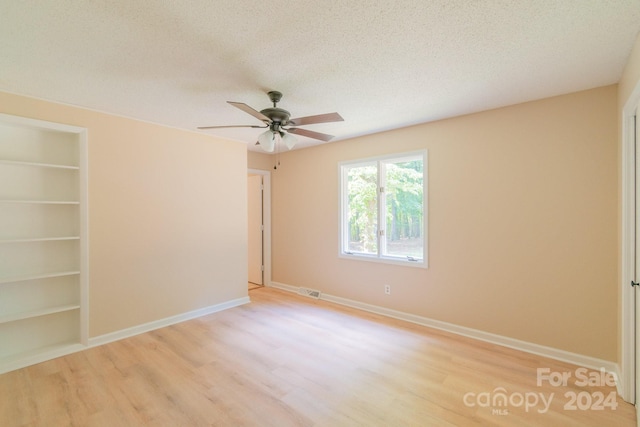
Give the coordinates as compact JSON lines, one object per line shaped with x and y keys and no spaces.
{"x":286,"y":360}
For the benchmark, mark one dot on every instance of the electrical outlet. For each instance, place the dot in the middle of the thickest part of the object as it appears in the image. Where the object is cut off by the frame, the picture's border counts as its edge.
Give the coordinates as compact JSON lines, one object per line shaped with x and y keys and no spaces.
{"x":387,"y":289}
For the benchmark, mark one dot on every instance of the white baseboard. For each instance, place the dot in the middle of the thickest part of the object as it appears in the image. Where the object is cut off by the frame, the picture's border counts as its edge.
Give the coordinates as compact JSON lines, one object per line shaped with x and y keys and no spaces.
{"x":38,"y":356}
{"x":540,"y":350}
{"x":157,"y":324}
{"x":53,"y":352}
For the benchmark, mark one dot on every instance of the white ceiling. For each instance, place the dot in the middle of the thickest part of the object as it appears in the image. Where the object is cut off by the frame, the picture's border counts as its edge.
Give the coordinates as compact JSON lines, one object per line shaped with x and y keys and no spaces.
{"x":380,"y":64}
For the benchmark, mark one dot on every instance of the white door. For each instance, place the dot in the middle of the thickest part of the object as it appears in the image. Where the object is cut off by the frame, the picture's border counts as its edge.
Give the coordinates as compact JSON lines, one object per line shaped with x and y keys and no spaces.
{"x":255,"y":228}
{"x":630,"y":367}
{"x":636,"y":275}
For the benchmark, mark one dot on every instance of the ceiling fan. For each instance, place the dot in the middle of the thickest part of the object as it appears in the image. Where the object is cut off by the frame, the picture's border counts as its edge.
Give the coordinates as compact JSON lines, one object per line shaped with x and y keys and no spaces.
{"x":280,"y":124}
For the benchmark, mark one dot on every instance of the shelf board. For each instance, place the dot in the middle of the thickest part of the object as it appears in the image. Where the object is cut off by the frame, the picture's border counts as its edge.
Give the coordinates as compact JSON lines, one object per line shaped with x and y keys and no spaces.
{"x":38,"y":276}
{"x":42,"y":202}
{"x":36,"y":164}
{"x":39,"y":239}
{"x":37,"y":313}
{"x":26,"y":358}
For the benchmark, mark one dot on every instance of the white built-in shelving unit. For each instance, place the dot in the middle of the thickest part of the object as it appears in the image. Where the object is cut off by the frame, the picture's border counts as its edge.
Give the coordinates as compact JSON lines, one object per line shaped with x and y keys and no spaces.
{"x":43,"y":241}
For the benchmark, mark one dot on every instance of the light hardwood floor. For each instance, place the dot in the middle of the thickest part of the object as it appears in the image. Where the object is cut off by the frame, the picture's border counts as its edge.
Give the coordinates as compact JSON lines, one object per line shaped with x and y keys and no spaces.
{"x":286,"y":360}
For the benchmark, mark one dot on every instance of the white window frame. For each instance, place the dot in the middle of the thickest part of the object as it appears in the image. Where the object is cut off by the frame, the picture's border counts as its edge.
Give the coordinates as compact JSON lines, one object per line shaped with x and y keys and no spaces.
{"x":344,"y":203}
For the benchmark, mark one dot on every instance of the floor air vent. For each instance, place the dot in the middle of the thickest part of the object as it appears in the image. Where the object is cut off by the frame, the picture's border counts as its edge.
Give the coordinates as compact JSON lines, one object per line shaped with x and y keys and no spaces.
{"x":309,"y":293}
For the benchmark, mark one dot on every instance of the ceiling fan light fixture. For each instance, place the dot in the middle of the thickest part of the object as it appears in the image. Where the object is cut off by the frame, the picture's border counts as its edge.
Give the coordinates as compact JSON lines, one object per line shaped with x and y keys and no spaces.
{"x":267,"y":140}
{"x":289,"y":140}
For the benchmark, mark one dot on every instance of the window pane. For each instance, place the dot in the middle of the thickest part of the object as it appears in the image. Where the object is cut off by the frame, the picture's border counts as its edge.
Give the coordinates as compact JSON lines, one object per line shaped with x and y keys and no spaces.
{"x":403,"y":209}
{"x":362,"y":209}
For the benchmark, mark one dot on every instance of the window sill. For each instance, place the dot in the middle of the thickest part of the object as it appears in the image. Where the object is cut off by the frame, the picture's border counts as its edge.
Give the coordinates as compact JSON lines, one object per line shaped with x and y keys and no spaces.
{"x":381,"y":260}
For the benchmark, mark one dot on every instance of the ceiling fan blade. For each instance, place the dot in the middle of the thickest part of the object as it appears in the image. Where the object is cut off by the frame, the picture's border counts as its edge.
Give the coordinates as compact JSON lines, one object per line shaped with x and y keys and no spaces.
{"x":255,"y":113}
{"x":231,"y":126}
{"x":320,"y":118}
{"x":310,"y":134}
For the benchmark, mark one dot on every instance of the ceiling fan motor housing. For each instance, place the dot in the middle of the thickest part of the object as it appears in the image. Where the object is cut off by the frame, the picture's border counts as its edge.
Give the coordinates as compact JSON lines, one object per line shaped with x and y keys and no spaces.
{"x":277,"y":115}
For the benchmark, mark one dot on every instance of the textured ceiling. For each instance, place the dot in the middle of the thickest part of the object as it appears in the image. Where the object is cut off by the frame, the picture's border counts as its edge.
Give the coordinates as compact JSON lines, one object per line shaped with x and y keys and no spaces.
{"x":380,"y":64}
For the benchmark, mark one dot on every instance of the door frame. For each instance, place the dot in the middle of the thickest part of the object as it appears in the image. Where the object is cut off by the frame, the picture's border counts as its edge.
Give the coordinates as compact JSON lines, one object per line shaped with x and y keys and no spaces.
{"x":628,"y":372}
{"x":266,"y":222}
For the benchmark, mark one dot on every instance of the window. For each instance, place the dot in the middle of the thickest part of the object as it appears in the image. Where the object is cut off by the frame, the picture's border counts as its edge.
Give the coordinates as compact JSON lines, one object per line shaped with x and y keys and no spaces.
{"x":383,"y":209}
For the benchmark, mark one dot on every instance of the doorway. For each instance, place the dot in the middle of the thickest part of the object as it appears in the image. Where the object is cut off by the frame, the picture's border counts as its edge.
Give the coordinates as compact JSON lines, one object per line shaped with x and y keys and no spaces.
{"x":258,"y":228}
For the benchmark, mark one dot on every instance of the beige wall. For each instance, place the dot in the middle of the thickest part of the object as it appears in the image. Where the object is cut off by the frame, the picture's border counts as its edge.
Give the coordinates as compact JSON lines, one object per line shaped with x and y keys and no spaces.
{"x":262,"y":161}
{"x":167,"y":216}
{"x":522,"y":223}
